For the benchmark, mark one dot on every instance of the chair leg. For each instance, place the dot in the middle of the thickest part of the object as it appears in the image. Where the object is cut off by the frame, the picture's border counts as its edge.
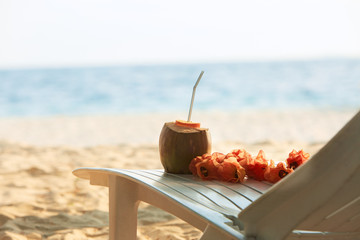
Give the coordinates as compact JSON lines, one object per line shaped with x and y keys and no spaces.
{"x":212,"y":233}
{"x":123,"y":206}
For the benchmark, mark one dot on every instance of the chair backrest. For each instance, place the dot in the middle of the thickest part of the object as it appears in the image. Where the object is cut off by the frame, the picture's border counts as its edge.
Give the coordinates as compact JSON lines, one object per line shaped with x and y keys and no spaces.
{"x":321,"y":195}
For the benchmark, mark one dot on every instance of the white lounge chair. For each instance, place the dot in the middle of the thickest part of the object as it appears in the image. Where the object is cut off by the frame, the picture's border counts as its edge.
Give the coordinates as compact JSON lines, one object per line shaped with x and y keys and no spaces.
{"x":320,"y":200}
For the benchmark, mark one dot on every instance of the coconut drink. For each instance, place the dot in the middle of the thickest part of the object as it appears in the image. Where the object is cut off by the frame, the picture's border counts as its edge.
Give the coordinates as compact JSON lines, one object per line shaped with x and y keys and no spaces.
{"x":181,"y":141}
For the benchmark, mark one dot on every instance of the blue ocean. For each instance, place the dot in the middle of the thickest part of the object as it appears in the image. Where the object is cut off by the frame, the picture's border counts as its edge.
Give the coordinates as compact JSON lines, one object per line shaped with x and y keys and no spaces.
{"x":330,"y":84}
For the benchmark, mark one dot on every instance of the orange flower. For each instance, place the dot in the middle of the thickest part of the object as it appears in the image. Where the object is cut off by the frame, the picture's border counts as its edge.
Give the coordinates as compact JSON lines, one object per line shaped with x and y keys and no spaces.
{"x":255,"y":168}
{"x":235,"y":165}
{"x":295,"y":158}
{"x":274,"y":174}
{"x":194,"y":161}
{"x":207,"y":169}
{"x":219,"y":157}
{"x":230,"y":170}
{"x":240,"y":155}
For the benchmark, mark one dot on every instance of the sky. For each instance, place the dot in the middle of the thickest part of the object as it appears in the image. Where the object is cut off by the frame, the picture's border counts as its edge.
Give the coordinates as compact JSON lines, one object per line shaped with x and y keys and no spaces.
{"x":58,"y":33}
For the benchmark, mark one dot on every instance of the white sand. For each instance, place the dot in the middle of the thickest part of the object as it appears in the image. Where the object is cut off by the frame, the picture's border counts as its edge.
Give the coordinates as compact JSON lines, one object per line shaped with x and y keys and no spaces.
{"x":41,"y":199}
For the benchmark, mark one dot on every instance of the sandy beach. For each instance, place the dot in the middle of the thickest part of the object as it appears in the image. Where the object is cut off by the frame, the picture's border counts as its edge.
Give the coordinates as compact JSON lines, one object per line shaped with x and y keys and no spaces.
{"x":41,"y":199}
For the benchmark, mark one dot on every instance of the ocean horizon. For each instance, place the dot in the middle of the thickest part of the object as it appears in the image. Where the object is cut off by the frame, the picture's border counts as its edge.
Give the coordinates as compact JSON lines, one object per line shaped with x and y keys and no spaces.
{"x":274,"y":85}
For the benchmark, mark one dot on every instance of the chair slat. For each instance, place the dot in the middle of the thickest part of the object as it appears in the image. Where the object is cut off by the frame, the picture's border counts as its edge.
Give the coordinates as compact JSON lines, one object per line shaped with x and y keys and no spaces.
{"x":217,"y":193}
{"x":249,"y":188}
{"x":203,"y":196}
{"x":315,"y":235}
{"x":236,"y":193}
{"x":261,"y":187}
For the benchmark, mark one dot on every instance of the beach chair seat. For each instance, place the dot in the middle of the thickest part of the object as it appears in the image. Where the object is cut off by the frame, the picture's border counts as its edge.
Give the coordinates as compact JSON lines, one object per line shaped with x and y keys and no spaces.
{"x":320,"y":200}
{"x":185,"y":196}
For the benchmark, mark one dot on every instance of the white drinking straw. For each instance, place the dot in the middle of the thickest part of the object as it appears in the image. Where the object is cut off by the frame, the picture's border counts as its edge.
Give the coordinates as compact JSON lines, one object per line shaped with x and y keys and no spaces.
{"x":193,"y":95}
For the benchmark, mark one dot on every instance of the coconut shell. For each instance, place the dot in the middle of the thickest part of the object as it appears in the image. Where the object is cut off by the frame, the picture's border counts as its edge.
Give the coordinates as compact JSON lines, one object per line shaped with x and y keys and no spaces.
{"x":178,"y":145}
